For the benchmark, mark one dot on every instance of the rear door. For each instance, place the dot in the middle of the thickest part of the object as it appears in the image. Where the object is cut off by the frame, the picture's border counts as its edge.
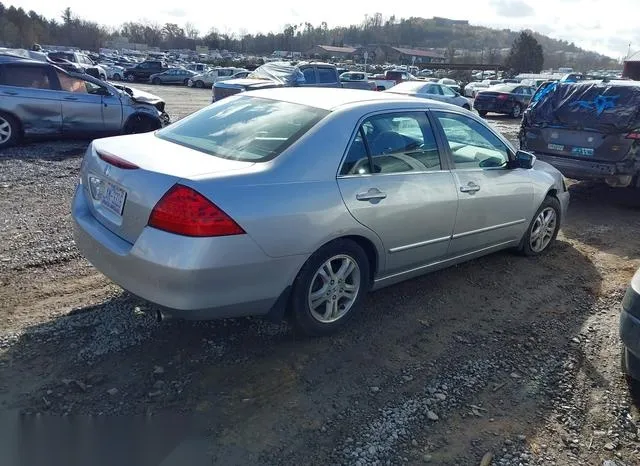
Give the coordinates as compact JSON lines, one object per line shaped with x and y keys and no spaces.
{"x":495,"y":202}
{"x":394,"y":182}
{"x":327,"y":76}
{"x":310,"y":78}
{"x":30,"y":92}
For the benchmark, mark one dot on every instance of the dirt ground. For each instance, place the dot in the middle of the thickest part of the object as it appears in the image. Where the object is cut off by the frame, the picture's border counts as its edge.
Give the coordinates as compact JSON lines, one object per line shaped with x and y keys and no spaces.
{"x":510,"y":358}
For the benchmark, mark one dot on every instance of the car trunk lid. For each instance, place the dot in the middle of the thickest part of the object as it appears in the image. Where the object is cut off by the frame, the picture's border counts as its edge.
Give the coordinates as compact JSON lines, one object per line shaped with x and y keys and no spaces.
{"x":124,"y":177}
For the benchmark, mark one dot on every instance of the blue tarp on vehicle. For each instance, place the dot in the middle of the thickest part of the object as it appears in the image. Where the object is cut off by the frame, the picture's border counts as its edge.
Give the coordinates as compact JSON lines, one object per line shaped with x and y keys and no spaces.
{"x":606,"y":107}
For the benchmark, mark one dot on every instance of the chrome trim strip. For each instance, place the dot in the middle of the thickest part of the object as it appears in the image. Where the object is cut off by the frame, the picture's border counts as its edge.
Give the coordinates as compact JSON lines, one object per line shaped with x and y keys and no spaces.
{"x":420,"y":244}
{"x":491,"y":228}
{"x":451,"y":259}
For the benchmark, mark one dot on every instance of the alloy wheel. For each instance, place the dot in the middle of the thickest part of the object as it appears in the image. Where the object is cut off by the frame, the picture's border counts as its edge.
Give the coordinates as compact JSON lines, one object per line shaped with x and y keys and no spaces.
{"x":334,"y":288}
{"x":5,"y":130}
{"x":543,"y":229}
{"x":516,"y":111}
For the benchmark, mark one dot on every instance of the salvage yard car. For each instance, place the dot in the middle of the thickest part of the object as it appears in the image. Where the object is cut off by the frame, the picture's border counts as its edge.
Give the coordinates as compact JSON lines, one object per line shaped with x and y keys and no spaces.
{"x":172,"y":76}
{"x":143,"y":71}
{"x":297,"y":202}
{"x":280,"y":74}
{"x":587,"y":130}
{"x":40,"y":99}
{"x":509,"y":99}
{"x":432,"y":91}
{"x":208,"y":78}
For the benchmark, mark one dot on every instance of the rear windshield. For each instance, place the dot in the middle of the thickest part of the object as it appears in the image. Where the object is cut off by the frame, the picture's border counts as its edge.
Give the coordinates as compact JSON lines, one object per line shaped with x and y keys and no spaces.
{"x":244,"y":128}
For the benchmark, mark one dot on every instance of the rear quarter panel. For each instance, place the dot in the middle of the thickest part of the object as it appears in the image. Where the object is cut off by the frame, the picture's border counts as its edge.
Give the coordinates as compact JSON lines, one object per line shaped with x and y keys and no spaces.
{"x":38,"y":110}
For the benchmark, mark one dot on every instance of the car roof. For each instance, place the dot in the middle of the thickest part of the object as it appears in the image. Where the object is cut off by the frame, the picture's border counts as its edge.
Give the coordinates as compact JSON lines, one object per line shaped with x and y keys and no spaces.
{"x":334,"y":98}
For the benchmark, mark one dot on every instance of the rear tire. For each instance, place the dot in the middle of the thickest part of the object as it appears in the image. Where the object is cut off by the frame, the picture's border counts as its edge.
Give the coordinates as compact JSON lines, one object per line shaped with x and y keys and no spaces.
{"x":117,"y":77}
{"x":330,"y":288}
{"x":199,"y":84}
{"x":155,"y":81}
{"x":543,"y":229}
{"x":9,"y":130}
{"x":482,"y":113}
{"x":131,"y":78}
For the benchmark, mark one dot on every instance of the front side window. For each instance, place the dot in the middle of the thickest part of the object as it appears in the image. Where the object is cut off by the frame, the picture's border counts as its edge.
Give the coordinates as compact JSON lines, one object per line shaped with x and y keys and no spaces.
{"x":447,"y":92}
{"x":309,"y":75}
{"x":35,"y":77}
{"x":434,"y":89}
{"x":394,"y":143}
{"x":472,"y":144}
{"x":242,"y":128}
{"x":71,"y":84}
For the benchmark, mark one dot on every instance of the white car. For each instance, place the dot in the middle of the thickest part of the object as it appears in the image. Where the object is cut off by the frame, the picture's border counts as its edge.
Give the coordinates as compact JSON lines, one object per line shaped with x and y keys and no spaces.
{"x":451,"y":84}
{"x":114,"y":72}
{"x":209,"y":78}
{"x":471,"y":88}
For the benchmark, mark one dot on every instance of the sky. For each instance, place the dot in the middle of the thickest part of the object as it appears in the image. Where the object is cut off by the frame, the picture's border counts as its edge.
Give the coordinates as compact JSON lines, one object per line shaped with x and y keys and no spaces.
{"x":606,"y":26}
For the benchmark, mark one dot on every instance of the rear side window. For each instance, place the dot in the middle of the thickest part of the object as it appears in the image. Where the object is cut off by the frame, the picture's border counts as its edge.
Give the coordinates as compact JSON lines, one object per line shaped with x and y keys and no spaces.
{"x":327,"y":75}
{"x":35,"y":77}
{"x":244,"y":128}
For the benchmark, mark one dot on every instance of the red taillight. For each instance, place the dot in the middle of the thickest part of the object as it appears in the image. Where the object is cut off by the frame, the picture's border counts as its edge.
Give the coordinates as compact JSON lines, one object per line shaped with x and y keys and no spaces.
{"x":184,"y":211}
{"x":116,"y":161}
{"x":502,"y":96}
{"x":634,"y":135}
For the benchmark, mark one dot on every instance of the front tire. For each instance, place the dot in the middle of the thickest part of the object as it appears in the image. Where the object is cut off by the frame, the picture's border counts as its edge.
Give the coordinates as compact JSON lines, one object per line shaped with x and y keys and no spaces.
{"x":330,"y":288}
{"x":199,"y":84}
{"x":9,"y":130}
{"x":543,"y":229}
{"x":131,"y":78}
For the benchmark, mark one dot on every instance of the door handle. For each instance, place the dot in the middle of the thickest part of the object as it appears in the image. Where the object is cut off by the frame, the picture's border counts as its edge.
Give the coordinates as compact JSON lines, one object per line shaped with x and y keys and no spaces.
{"x":471,"y":188}
{"x":70,"y":98}
{"x":374,"y":194}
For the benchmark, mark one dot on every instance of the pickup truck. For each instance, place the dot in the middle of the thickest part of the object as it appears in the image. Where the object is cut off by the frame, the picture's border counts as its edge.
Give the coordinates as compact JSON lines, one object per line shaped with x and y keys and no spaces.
{"x":82,"y":62}
{"x":390,"y":78}
{"x":142,"y":71}
{"x":280,"y":74}
{"x":357,"y":80}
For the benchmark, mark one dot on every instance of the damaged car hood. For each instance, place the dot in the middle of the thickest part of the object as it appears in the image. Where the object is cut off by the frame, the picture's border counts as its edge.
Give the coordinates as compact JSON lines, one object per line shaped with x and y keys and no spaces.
{"x":138,"y":95}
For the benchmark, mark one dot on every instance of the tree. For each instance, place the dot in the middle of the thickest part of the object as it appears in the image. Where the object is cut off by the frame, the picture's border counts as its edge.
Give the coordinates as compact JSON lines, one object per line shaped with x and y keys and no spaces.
{"x":526,"y":55}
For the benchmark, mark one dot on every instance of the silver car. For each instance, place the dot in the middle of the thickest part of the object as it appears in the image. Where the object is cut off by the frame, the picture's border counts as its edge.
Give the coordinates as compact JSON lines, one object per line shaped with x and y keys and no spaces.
{"x":434,"y":91}
{"x":40,"y":99}
{"x":298,"y":201}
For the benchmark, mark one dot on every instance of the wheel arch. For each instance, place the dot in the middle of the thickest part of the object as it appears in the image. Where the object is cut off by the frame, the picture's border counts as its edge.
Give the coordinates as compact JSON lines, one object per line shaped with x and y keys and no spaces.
{"x":15,"y":117}
{"x":138,"y":116}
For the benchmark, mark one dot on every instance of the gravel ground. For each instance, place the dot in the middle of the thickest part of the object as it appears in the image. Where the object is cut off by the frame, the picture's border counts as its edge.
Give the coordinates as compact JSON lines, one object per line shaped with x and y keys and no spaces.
{"x":504,"y":360}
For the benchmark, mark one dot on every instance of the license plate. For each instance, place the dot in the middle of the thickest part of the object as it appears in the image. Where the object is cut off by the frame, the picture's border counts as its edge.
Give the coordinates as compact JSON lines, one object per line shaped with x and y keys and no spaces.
{"x":114,"y":198}
{"x":583,"y":151}
{"x":558,"y":147}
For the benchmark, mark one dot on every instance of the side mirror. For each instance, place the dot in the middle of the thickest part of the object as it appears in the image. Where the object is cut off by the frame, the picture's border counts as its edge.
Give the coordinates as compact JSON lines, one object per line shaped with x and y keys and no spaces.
{"x":524,"y":160}
{"x":103,"y":91}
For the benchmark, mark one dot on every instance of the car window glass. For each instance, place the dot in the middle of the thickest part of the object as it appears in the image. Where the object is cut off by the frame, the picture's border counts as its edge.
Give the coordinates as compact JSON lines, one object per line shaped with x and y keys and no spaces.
{"x":309,"y":75}
{"x":71,"y":84}
{"x":472,"y":144}
{"x":34,"y":77}
{"x":356,"y":161}
{"x":434,"y":89}
{"x":326,"y":75}
{"x":447,"y":92}
{"x":401,"y":142}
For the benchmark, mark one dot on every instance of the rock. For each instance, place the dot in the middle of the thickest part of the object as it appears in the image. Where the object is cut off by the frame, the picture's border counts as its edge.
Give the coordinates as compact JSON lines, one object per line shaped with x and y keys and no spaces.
{"x":414,"y":442}
{"x":515,"y":375}
{"x":80,"y":385}
{"x":575,"y":340}
{"x":609,"y":446}
{"x":96,"y":379}
{"x":609,"y":463}
{"x":112,"y":391}
{"x":440,"y":396}
{"x":372,"y":450}
{"x":432,"y":416}
{"x":159,"y":385}
{"x":486,"y":459}
{"x":427,"y":458}
{"x":323,"y":429}
{"x":158,"y":370}
{"x":375,"y":389}
{"x":522,"y":438}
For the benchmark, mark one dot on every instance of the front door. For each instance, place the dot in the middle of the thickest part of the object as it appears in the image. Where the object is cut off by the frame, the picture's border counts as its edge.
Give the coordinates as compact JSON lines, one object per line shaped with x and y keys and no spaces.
{"x":494,"y":201}
{"x":393,"y":182}
{"x":81,"y":105}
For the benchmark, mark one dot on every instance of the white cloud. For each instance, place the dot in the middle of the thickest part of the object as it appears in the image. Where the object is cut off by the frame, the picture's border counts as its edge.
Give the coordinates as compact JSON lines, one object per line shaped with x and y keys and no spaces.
{"x":592,"y":24}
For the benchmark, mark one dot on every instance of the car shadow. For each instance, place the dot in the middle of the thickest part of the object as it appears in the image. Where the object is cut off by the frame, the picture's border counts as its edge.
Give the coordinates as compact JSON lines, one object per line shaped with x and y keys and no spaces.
{"x":605,"y":218}
{"x":260,"y":387}
{"x":50,"y":150}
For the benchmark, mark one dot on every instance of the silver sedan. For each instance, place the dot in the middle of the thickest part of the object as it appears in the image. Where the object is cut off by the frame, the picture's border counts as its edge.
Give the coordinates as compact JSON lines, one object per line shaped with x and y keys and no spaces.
{"x":296,"y":202}
{"x":433,"y":91}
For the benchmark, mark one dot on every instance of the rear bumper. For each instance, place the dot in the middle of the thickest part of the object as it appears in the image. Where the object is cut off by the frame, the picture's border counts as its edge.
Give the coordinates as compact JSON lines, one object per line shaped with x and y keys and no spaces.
{"x":493,"y":106}
{"x":579,"y":169}
{"x":192,"y":278}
